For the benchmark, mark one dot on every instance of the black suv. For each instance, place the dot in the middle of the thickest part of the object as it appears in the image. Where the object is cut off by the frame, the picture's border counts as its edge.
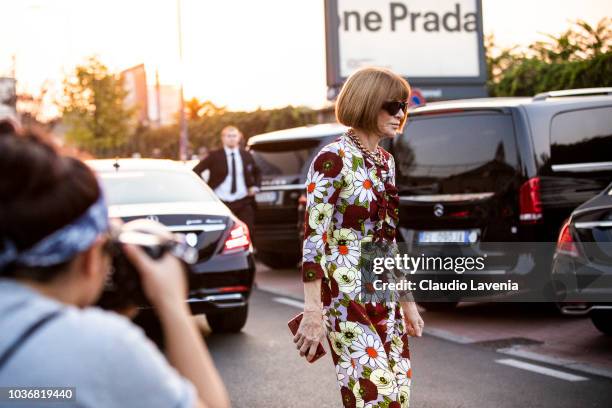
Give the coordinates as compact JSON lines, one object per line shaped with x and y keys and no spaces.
{"x":501,"y":169}
{"x":283,"y":158}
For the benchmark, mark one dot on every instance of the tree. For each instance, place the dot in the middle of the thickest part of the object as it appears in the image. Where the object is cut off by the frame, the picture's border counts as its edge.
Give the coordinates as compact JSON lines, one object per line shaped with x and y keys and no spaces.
{"x":93,"y":110}
{"x":580,"y":57}
{"x":579,"y":42}
{"x":197,"y":109}
{"x":206,"y":125}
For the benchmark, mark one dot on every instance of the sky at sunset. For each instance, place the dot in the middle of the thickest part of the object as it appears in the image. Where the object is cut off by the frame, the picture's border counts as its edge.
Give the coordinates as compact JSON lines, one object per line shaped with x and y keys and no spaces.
{"x":238,"y":53}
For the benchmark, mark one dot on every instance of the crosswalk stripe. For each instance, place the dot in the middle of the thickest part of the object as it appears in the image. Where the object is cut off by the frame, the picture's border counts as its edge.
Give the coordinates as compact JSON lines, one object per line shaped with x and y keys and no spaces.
{"x":541,"y":370}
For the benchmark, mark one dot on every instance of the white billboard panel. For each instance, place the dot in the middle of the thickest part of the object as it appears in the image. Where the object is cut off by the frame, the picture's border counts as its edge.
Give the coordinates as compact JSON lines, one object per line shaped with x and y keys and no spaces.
{"x":415,"y":38}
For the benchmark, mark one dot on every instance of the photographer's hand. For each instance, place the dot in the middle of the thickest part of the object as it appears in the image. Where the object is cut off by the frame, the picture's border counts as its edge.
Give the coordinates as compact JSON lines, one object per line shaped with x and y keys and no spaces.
{"x":163,"y":280}
{"x":165,"y":285}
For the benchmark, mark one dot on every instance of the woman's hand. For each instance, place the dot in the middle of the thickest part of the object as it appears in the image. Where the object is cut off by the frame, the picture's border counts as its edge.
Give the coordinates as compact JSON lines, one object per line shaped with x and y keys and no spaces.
{"x":310,"y":333}
{"x":412,"y":319}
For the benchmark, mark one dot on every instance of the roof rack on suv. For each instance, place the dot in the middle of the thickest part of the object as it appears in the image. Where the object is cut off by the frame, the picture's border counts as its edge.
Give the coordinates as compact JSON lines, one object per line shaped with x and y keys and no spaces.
{"x":572,"y":92}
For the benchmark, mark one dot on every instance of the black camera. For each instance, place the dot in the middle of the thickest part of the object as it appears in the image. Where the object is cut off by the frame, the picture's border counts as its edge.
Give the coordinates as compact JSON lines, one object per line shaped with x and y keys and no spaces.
{"x":123,"y":288}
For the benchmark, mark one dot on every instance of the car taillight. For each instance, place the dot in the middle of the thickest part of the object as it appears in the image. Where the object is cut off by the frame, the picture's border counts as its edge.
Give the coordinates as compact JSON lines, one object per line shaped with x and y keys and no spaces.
{"x":565,"y":242}
{"x":530,"y":202}
{"x":228,"y":289}
{"x":238,"y":239}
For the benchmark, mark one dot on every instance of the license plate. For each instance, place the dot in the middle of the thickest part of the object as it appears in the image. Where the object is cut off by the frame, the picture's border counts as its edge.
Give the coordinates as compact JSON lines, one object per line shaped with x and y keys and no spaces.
{"x":266,"y":197}
{"x":430,"y":237}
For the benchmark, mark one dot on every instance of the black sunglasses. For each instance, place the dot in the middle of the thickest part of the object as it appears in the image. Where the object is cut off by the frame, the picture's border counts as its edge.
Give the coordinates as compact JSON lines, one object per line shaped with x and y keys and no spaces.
{"x":392,"y":107}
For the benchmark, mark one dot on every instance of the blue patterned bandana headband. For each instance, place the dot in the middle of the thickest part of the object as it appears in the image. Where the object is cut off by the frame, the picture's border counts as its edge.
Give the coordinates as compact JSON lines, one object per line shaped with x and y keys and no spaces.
{"x":63,"y":244}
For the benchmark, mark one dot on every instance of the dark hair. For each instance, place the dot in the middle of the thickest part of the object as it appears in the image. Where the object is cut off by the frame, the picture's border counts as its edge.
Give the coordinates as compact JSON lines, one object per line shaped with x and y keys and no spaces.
{"x":6,"y":128}
{"x":40,"y":192}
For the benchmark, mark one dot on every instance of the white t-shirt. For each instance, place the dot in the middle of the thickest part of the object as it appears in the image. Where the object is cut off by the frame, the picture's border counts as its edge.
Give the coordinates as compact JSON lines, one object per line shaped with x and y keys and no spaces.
{"x":107,"y":359}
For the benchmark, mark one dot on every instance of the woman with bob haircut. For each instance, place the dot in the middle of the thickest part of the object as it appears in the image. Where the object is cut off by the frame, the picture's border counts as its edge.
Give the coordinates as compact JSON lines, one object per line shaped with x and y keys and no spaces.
{"x":351,"y":199}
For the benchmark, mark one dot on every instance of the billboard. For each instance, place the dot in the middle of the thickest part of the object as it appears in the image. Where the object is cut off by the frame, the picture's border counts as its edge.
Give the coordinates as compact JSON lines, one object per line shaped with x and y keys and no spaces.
{"x":436,"y":44}
{"x":135,"y":83}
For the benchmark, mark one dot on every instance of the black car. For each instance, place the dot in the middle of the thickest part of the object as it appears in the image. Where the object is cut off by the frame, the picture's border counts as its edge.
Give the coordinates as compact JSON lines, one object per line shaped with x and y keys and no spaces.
{"x":220,"y":281}
{"x":283,"y":158}
{"x":501,"y":169}
{"x":582,"y":266}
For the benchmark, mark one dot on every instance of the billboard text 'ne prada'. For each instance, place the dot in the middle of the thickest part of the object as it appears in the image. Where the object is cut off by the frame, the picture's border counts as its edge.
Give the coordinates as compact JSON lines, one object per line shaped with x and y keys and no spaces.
{"x":454,"y":20}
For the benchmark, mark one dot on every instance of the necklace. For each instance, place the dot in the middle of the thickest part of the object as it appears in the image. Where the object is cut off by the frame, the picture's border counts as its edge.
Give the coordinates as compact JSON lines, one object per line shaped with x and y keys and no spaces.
{"x":376,"y":157}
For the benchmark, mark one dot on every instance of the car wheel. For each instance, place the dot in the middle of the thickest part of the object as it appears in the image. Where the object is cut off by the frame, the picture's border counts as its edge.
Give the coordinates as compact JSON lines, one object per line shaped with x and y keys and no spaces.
{"x":278,"y":260}
{"x":438,"y":306}
{"x":603,"y":321}
{"x":229,"y":321}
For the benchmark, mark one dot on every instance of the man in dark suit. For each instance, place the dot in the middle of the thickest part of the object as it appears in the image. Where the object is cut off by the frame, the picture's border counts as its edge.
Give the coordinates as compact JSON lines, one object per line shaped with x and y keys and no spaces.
{"x":234,"y":175}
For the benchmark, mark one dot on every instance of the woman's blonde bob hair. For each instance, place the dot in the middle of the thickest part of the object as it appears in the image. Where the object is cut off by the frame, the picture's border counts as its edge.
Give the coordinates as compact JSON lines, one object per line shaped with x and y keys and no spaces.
{"x":363,"y":95}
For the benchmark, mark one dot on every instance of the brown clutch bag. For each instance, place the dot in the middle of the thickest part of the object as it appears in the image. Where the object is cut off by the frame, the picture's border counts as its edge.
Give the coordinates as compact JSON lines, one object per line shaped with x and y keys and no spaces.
{"x":293,"y":326}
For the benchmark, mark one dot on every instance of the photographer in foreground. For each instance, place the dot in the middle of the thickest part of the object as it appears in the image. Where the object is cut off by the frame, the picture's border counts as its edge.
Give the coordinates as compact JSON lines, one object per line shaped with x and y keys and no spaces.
{"x":54,"y":261}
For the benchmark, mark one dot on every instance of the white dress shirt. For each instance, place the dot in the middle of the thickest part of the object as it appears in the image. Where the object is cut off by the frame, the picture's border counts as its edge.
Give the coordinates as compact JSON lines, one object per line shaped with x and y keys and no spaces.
{"x":223,"y":191}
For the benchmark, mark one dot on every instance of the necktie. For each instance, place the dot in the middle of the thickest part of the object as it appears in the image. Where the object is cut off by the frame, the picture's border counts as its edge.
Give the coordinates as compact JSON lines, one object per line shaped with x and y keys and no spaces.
{"x":233,"y":175}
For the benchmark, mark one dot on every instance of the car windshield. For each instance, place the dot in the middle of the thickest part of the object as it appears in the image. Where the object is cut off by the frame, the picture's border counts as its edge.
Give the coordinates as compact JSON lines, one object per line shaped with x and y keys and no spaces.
{"x":153,"y":186}
{"x":285,"y":158}
{"x":456,"y":153}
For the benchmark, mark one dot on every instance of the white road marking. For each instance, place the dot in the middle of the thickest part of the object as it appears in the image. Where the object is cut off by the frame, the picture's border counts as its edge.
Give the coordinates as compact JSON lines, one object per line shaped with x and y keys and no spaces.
{"x":516,"y":351}
{"x":289,"y":302}
{"x":541,"y":370}
{"x":446,"y":335}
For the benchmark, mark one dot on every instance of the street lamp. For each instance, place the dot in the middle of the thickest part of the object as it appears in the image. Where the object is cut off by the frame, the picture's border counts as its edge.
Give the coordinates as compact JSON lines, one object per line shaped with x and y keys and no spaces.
{"x":184,"y":135}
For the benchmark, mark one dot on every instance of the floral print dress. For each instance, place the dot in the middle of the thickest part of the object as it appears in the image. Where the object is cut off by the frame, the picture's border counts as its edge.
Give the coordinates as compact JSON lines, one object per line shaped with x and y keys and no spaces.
{"x":351,"y":200}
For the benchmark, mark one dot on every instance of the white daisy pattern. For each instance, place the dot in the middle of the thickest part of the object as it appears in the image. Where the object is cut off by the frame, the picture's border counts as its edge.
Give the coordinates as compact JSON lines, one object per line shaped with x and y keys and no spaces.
{"x":347,"y":156}
{"x":349,"y":364}
{"x":339,"y":374}
{"x":369,"y":351}
{"x":344,"y":247}
{"x":395,"y":352}
{"x":319,"y":238}
{"x":316,"y":187}
{"x":404,"y":372}
{"x":375,"y":179}
{"x":363,"y":186}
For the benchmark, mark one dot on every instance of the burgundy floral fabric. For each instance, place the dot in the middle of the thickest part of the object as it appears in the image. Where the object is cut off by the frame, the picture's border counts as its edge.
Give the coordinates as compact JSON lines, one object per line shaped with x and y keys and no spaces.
{"x":350,"y":200}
